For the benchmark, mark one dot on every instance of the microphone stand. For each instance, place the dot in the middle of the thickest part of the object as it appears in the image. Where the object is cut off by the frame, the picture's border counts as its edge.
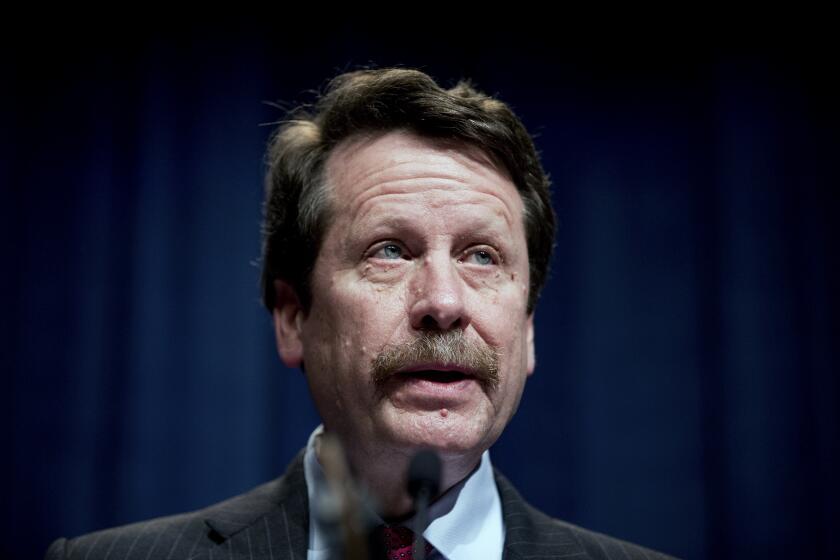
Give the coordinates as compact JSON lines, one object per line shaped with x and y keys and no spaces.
{"x":423,"y":485}
{"x":343,"y":509}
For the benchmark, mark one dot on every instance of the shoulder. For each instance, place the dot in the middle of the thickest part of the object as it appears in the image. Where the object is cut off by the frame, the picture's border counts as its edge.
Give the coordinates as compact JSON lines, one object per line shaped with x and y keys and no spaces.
{"x":530,"y":532}
{"x":177,"y":535}
{"x":191,"y":534}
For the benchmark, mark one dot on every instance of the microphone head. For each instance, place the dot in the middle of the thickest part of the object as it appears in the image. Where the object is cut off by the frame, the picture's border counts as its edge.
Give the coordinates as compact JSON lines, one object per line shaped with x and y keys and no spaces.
{"x":424,"y":473}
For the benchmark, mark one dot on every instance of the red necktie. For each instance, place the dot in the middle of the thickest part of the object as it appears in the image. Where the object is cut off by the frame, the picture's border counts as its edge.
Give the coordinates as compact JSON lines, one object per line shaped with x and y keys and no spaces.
{"x":398,"y":542}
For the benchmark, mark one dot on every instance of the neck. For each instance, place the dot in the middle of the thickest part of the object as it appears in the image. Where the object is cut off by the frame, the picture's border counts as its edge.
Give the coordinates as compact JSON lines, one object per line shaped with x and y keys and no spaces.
{"x":383,"y":474}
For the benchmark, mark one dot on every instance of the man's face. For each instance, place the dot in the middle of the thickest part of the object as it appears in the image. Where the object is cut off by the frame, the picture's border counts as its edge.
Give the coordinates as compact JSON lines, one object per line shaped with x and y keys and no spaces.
{"x":426,"y":238}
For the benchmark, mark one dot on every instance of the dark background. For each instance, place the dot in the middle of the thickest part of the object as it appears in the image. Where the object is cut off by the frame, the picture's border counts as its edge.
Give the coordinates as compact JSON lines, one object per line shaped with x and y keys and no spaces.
{"x":686,"y":390}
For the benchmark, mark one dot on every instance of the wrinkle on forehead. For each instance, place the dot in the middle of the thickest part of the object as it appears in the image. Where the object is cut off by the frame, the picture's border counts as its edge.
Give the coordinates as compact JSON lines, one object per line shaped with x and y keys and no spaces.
{"x":425,"y":203}
{"x":407,"y":164}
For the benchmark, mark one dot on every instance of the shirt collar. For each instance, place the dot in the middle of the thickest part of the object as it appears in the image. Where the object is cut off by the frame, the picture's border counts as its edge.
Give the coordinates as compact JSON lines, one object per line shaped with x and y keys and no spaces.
{"x":466,"y":522}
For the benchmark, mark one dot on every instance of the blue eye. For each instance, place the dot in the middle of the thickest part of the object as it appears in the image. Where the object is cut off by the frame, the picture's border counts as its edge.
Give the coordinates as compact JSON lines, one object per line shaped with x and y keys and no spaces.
{"x":482,"y":257}
{"x":390,"y":252}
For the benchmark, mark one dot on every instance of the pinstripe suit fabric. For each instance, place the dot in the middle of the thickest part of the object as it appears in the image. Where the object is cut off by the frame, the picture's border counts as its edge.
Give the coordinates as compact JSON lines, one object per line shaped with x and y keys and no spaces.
{"x":271,"y":522}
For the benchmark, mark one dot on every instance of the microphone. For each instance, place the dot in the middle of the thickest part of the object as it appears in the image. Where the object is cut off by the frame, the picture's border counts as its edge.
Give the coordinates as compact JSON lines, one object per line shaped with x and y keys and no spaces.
{"x":423,"y":485}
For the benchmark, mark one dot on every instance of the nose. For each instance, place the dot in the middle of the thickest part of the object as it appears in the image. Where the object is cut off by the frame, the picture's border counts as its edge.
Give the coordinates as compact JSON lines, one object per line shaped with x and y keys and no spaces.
{"x":437,"y":296}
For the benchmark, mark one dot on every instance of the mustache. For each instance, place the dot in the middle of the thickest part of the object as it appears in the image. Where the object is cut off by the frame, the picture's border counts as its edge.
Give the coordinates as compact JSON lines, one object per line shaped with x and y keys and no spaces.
{"x":450,"y":348}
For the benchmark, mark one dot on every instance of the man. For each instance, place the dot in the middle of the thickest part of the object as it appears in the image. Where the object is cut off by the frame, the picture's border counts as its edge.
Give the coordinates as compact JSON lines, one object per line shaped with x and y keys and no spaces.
{"x":407,"y":236}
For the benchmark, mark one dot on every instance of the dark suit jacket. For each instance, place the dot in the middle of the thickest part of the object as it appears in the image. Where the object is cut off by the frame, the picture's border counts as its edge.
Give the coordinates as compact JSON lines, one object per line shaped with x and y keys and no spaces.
{"x":272,"y":522}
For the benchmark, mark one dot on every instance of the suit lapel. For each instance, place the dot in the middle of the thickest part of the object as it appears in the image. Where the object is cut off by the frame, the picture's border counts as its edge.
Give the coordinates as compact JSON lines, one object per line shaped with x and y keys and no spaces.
{"x":269,"y":523}
{"x":531,"y":533}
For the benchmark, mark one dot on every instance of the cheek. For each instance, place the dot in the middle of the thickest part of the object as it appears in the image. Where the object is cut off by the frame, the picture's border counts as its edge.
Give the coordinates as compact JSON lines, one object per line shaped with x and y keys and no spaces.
{"x":375,"y":310}
{"x":501,"y":319}
{"x":353,"y":325}
{"x":331,"y":341}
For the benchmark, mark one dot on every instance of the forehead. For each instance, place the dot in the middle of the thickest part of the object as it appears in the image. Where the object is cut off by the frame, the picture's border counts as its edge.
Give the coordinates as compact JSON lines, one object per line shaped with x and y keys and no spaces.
{"x":366,"y":166}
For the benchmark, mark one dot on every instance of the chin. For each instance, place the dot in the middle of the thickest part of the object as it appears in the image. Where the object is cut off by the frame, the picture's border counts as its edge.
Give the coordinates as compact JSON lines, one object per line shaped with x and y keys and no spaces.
{"x":451,"y":434}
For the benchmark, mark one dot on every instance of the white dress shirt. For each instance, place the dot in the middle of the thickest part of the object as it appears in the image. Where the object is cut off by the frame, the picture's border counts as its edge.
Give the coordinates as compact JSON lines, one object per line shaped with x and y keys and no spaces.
{"x":466,"y":522}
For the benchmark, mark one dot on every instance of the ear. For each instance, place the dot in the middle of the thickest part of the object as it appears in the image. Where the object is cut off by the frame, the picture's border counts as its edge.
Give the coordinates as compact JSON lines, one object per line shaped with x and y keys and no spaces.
{"x":288,"y":323}
{"x":530,"y":342}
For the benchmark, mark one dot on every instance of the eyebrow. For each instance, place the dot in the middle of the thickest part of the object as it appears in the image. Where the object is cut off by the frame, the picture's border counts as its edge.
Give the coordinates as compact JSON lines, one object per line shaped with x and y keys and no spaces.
{"x":495,"y":230}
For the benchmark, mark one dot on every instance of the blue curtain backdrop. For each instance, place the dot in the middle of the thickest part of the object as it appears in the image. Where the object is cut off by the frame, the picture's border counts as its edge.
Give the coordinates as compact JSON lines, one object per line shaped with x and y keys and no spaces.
{"x":686,"y":388}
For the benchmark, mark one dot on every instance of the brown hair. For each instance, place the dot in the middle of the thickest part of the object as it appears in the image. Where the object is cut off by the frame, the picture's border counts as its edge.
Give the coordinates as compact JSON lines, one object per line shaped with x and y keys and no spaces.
{"x":297,"y":209}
